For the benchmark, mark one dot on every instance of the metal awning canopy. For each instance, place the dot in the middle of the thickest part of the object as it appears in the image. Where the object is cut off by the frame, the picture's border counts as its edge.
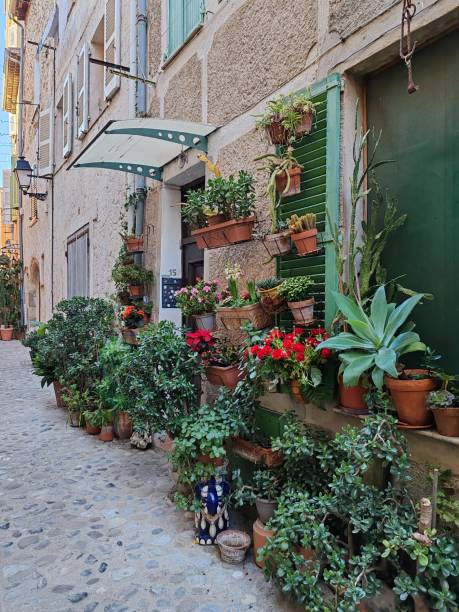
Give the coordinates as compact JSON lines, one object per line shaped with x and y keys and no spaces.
{"x":142,"y":146}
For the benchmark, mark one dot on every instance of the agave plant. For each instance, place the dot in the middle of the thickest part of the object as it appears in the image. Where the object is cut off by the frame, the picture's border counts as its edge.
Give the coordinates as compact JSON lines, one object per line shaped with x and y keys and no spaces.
{"x":377,"y":340}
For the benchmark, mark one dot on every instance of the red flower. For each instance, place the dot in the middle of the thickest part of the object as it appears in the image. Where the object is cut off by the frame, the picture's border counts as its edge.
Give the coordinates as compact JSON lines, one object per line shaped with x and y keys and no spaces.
{"x":288,"y":344}
{"x":326,"y":352}
{"x":298,"y":331}
{"x":278,"y":354}
{"x":300,"y":356}
{"x":255,"y":349}
{"x":298,"y":347}
{"x":264,"y":352}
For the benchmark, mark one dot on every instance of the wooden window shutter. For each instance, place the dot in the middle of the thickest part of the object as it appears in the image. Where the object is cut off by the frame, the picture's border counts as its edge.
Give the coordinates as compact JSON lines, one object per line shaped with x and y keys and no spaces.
{"x":193,"y":16}
{"x":67,"y":117}
{"x":112,"y":45}
{"x":319,"y":153}
{"x":45,"y":142}
{"x":183,"y":18}
{"x":82,"y":91}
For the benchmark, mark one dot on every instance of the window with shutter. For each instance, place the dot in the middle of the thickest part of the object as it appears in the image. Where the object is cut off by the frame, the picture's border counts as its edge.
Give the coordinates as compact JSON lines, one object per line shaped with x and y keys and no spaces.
{"x":78,"y":263}
{"x":82,"y":91}
{"x":67,"y":117}
{"x":183,"y":18}
{"x":45,"y":142}
{"x":112,"y":45}
{"x":319,"y":154}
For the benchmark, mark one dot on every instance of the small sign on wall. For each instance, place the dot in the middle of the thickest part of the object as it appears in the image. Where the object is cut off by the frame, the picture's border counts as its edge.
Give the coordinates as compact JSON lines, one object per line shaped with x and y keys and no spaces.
{"x":169,"y":285}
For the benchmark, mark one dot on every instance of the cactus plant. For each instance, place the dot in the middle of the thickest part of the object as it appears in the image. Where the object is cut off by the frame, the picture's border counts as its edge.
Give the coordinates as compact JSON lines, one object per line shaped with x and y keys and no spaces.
{"x":301,"y":224}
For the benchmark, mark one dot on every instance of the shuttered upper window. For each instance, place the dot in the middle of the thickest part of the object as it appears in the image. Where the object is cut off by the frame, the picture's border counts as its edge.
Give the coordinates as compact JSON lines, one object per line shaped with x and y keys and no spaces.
{"x":318,"y":153}
{"x":78,"y":263}
{"x":112,"y":45}
{"x":45,"y":142}
{"x":184,"y":16}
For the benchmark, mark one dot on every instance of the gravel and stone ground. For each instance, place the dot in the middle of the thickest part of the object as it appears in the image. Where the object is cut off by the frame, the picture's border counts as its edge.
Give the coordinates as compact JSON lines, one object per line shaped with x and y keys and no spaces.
{"x":88,"y":526}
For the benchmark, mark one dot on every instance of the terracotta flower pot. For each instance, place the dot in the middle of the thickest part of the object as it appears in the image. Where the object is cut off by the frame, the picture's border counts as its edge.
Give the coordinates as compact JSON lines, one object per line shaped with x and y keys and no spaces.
{"x":134,"y":244}
{"x":106,"y":433}
{"x":303,"y":312}
{"x":91,"y":430}
{"x":295,"y":182}
{"x":58,"y":393}
{"x":223,"y":234}
{"x":409,"y":397}
{"x":136,"y":290}
{"x":351,"y":399}
{"x":265,"y":508}
{"x":305,"y":125}
{"x":306,"y":242}
{"x":205,"y":321}
{"x":256,"y":454}
{"x":6,"y":333}
{"x":260,"y":535}
{"x":216,"y":219}
{"x":130,"y":336}
{"x":447,"y":421}
{"x":234,"y":318}
{"x":215,"y":461}
{"x":74,"y":418}
{"x":296,"y":391}
{"x":123,"y":425}
{"x":271,"y":301}
{"x":277,"y":134}
{"x":278,"y":244}
{"x":227,"y":376}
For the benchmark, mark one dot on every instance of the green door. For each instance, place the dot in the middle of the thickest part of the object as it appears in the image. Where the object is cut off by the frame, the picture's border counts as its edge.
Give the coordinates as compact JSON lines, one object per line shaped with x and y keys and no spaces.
{"x":420,"y":132}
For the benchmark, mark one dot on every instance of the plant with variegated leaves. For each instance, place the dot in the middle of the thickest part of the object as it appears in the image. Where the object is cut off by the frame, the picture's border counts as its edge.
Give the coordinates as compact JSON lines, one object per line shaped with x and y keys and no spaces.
{"x":377,"y":340}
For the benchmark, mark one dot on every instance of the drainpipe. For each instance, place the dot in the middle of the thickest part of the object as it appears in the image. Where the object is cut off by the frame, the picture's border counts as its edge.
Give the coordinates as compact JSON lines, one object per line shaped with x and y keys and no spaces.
{"x":141,"y":103}
{"x":21,"y":151}
{"x":132,"y":88}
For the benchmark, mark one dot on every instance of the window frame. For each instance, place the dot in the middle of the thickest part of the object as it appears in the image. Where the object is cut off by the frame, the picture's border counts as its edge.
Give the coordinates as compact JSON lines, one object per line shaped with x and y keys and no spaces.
{"x":72,"y":283}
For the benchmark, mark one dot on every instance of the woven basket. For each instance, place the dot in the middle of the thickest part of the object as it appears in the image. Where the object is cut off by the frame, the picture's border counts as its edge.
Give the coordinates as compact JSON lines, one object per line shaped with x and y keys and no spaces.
{"x":234,"y":318}
{"x":278,"y":244}
{"x":271,"y":301}
{"x":233,"y":545}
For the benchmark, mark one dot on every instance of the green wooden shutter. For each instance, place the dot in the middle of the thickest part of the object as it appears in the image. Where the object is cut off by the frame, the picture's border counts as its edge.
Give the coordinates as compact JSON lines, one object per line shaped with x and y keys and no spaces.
{"x":319,"y":154}
{"x":183,"y":17}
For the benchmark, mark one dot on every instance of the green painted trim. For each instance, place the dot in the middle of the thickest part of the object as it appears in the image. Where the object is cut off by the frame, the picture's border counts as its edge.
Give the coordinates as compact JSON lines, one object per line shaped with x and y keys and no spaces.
{"x":333,"y":191}
{"x":138,"y":169}
{"x":186,"y":139}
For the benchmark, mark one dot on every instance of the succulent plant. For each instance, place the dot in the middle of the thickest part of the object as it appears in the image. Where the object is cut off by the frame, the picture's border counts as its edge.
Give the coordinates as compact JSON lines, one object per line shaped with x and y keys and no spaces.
{"x":440,"y":399}
{"x":301,"y":224}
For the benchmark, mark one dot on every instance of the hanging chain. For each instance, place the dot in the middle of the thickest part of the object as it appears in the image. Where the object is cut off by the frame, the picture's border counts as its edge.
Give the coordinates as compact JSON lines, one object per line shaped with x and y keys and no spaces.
{"x":406,"y":51}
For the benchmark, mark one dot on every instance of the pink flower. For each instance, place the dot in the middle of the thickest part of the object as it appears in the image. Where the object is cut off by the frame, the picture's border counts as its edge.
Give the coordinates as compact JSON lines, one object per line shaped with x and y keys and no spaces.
{"x":194,"y":291}
{"x":206,"y":288}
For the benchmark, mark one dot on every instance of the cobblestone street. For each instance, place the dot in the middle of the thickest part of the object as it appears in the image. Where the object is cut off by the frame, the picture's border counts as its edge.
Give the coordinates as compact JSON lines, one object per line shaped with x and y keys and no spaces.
{"x":88,"y":526}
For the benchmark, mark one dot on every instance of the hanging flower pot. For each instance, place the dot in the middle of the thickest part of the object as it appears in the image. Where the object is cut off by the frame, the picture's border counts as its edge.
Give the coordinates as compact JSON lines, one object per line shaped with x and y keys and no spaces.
{"x":215,"y":461}
{"x":223,"y":234}
{"x":216,"y":219}
{"x":303,"y":312}
{"x":271,"y":301}
{"x":351,"y":399}
{"x":136,"y":290}
{"x":278,"y":244}
{"x":134,"y":244}
{"x":276,"y":132}
{"x":295,"y":182}
{"x":306,"y":242}
{"x":256,"y":454}
{"x":227,"y":376}
{"x":409,"y":395}
{"x":6,"y":333}
{"x":305,"y":125}
{"x":234,"y":318}
{"x":206,"y":321}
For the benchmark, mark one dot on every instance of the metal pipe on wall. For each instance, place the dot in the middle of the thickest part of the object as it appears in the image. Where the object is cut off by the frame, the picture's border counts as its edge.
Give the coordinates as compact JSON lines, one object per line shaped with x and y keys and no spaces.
{"x":141,"y":103}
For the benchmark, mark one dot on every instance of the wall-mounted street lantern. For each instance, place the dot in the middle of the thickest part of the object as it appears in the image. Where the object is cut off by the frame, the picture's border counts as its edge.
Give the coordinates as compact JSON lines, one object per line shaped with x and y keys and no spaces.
{"x":24,"y":175}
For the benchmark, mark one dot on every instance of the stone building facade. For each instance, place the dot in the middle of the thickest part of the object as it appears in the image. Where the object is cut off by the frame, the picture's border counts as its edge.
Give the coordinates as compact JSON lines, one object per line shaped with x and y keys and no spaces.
{"x":221,"y":71}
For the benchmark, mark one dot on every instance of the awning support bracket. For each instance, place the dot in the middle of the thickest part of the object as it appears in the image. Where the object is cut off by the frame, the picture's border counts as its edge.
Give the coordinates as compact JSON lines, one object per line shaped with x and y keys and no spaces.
{"x":193,"y":141}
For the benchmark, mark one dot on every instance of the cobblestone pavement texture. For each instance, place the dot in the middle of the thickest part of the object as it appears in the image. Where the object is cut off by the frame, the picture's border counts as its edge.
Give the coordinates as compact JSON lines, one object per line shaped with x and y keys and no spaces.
{"x":87,"y":526}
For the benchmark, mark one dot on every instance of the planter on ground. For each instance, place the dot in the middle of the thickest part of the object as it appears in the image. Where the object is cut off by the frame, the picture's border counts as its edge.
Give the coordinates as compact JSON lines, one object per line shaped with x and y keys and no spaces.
{"x":228,"y":376}
{"x":409,"y":397}
{"x":306,"y":242}
{"x":256,"y":454}
{"x":295,"y":182}
{"x":223,"y":234}
{"x":278,"y":244}
{"x":351,"y":399}
{"x":233,"y":318}
{"x":6,"y":333}
{"x":303,"y":312}
{"x":106,"y":433}
{"x":233,"y":545}
{"x":58,"y":393}
{"x":91,"y":429}
{"x":260,"y":535}
{"x":123,"y":425}
{"x":74,"y":418}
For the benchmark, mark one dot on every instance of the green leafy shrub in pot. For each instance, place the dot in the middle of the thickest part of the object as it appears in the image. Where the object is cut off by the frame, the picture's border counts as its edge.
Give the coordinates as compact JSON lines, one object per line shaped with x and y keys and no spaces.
{"x":33,"y":338}
{"x":296,"y":289}
{"x":10,"y":293}
{"x":193,"y":210}
{"x":377,"y":341}
{"x":99,"y":417}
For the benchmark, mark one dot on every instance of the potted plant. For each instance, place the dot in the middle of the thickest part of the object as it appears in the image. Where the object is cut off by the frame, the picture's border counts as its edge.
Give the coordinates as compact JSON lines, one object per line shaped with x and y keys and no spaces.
{"x":132,"y":319}
{"x":10,"y":298}
{"x":76,"y":402}
{"x":133,"y":277}
{"x":219,"y":356}
{"x":284,"y":173}
{"x":444,"y":405}
{"x":304,"y":233}
{"x":297,"y":292}
{"x":92,"y":422}
{"x":133,"y":243}
{"x":239,"y":309}
{"x":105,"y":418}
{"x":374,"y":347}
{"x":222,"y":213}
{"x":200,"y":303}
{"x":270,"y":299}
{"x":287,"y":118}
{"x":263,"y":492}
